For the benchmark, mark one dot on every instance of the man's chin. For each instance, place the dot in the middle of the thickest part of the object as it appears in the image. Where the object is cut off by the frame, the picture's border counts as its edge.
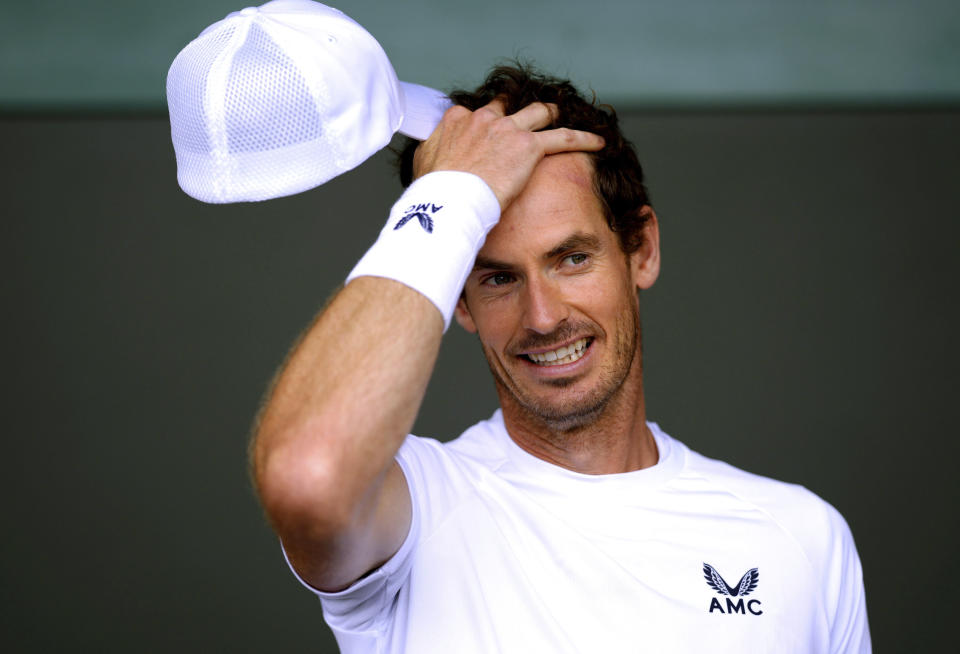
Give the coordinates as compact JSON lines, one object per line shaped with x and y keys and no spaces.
{"x":567,"y":421}
{"x":566,"y":414}
{"x":561,"y":382}
{"x":556,"y":403}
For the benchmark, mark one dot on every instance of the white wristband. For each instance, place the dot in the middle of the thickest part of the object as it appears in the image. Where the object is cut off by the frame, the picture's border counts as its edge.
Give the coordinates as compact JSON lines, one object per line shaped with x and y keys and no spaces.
{"x":432,"y":237}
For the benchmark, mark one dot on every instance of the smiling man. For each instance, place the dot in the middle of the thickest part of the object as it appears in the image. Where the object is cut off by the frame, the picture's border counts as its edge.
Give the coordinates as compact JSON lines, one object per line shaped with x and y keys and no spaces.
{"x":553,"y":297}
{"x":566,"y":522}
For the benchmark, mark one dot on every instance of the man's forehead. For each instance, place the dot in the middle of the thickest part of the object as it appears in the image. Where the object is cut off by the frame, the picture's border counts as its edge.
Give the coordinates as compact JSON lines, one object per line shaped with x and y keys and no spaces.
{"x":558,"y":181}
{"x":573,"y":167}
{"x":558,"y":203}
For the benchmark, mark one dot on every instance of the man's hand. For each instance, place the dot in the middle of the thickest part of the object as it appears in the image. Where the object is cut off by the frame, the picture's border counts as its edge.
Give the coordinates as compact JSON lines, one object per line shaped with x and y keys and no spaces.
{"x":502,"y":150}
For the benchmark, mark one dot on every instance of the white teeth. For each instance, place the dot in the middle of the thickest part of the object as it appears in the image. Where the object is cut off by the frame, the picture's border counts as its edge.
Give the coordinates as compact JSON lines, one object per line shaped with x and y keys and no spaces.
{"x":560,"y":356}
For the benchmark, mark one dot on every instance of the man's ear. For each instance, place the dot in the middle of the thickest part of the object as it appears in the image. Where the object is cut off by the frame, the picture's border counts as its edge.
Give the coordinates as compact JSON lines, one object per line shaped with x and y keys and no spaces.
{"x":462,"y":314}
{"x":645,"y":260}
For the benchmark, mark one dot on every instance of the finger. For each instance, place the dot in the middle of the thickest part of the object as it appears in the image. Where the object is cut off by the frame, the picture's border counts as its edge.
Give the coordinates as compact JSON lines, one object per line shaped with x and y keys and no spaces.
{"x":536,"y":116}
{"x":495,"y":106}
{"x":569,"y":140}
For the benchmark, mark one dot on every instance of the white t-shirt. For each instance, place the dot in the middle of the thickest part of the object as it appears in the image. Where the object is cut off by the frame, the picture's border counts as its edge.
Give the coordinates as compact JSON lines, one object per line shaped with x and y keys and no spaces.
{"x":508,"y":553}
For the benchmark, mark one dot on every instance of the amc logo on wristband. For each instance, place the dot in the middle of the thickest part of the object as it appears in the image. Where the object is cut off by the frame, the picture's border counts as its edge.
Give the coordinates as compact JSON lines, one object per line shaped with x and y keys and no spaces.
{"x":420,"y":212}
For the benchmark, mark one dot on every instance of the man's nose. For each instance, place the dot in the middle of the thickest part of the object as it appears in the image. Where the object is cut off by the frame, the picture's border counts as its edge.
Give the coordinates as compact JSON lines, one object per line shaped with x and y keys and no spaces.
{"x":544,"y":307}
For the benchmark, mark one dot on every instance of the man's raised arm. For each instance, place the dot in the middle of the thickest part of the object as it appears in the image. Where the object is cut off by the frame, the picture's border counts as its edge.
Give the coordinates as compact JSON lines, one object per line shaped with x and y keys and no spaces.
{"x":351,"y":388}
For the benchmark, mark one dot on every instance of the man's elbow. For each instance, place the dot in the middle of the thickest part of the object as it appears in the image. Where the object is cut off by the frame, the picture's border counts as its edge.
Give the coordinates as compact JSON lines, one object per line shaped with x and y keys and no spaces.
{"x":300,"y":491}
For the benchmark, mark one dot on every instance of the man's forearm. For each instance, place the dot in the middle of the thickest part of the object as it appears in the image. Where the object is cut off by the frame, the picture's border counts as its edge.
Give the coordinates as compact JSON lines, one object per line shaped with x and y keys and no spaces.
{"x":347,"y":397}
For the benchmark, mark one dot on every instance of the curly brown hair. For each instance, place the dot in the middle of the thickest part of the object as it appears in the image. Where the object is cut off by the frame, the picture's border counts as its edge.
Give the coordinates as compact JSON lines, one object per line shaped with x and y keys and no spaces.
{"x":618,"y":176}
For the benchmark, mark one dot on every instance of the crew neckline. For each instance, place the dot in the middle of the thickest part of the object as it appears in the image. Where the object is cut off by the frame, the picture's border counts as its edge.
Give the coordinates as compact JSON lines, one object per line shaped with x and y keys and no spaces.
{"x":671,"y":457}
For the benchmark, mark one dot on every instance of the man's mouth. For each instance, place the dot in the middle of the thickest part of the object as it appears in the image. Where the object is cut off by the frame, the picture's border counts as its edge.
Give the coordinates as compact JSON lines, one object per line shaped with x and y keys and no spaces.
{"x":562,"y":355}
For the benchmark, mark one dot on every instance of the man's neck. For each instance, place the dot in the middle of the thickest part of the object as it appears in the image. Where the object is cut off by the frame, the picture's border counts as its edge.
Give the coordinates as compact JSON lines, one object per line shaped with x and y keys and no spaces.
{"x":614,"y":440}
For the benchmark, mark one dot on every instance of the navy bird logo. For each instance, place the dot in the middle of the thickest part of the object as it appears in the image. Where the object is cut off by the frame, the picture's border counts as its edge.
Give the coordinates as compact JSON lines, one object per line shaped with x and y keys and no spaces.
{"x":419,"y":211}
{"x":748,"y":582}
{"x":425,"y":221}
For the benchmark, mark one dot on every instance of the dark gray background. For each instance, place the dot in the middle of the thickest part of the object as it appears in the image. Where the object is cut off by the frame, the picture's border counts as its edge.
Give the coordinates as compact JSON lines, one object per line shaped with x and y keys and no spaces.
{"x":803,"y":328}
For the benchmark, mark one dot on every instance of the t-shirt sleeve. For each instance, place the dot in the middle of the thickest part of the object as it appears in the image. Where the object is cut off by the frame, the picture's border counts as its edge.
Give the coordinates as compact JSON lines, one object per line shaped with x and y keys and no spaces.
{"x":359,"y":613}
{"x":846,"y":599}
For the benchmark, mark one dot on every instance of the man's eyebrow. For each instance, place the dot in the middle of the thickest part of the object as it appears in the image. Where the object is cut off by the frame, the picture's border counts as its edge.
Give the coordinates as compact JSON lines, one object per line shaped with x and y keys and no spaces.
{"x":485,"y":263}
{"x":577,"y":241}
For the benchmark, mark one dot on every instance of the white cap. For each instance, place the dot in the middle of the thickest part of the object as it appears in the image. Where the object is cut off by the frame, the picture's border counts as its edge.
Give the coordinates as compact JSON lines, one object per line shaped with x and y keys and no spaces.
{"x":278,"y":99}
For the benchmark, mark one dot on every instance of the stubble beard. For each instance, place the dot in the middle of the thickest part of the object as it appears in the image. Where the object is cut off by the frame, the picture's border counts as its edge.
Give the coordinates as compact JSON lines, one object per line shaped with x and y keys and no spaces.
{"x":567,"y":414}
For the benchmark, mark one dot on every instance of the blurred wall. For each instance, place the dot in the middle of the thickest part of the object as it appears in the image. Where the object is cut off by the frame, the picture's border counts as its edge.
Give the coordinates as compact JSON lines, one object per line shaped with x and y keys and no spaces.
{"x":106,"y":53}
{"x":803,"y":328}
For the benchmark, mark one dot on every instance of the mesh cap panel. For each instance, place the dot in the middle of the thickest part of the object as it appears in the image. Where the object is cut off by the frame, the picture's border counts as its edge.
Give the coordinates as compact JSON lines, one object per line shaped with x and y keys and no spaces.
{"x":187,"y":99}
{"x":268,"y":104}
{"x":278,"y":99}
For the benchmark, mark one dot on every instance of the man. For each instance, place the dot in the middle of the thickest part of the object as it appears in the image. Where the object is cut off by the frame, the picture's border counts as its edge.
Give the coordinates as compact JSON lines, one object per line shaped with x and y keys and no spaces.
{"x":566,"y":522}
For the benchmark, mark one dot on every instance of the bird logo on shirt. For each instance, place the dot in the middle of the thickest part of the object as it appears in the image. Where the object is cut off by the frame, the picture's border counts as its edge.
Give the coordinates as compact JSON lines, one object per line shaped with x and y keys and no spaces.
{"x":748,"y":582}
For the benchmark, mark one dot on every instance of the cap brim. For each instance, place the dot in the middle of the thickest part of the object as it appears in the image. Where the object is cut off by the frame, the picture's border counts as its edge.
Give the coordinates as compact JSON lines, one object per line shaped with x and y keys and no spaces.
{"x":423,"y":109}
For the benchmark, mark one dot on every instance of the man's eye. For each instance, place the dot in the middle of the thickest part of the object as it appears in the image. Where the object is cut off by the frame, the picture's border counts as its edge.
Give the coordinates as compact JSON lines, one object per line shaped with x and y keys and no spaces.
{"x":576,"y":259}
{"x":498,"y":279}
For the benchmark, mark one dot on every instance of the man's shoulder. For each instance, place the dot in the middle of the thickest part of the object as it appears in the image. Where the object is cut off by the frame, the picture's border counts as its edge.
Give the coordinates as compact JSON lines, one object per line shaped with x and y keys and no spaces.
{"x":748,"y":485}
{"x":479,"y":447}
{"x":478,"y":443}
{"x":804,"y":515}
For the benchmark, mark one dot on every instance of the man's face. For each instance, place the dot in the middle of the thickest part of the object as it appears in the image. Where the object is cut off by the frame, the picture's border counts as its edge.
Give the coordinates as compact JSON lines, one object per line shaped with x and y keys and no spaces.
{"x":553,"y":299}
